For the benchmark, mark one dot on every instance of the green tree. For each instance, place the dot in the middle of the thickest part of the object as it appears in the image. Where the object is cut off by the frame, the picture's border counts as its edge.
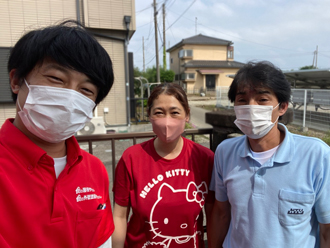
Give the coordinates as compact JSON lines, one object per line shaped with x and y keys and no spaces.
{"x":151,"y":76}
{"x":166,"y":75}
{"x":307,"y":67}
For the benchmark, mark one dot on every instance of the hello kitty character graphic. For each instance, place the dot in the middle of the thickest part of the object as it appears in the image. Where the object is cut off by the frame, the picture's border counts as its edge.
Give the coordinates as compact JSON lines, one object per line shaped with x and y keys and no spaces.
{"x":169,"y":220}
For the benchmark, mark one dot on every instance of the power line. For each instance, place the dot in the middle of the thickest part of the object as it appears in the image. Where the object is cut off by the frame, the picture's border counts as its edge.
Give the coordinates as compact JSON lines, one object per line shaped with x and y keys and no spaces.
{"x":139,"y":11}
{"x":181,"y":14}
{"x":257,"y":43}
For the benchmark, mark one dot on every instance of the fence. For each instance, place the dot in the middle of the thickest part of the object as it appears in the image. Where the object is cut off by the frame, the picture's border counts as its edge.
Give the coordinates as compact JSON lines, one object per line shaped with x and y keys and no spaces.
{"x":311,"y":108}
{"x":199,"y":90}
{"x":222,"y":97}
{"x":109,"y":147}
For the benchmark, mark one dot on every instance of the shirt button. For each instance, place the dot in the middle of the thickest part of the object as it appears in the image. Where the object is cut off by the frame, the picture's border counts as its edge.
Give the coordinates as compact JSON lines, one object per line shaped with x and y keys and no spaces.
{"x":30,"y":167}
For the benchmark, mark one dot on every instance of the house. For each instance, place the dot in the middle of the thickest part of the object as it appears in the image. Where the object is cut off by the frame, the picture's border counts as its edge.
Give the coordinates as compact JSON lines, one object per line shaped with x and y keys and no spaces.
{"x":201,"y":63}
{"x":112,"y":22}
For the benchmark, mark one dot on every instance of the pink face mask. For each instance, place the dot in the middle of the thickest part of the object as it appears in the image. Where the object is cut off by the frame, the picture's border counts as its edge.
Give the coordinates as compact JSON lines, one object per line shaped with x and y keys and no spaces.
{"x":168,"y":129}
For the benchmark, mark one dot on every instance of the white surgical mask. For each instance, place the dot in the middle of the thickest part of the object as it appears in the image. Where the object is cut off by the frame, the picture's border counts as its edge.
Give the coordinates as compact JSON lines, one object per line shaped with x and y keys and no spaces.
{"x":255,"y":121}
{"x":54,"y":114}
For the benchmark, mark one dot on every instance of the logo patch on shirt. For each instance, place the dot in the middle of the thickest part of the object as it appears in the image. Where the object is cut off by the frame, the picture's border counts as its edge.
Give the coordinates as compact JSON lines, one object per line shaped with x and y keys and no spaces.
{"x":87,"y":196}
{"x":296,"y":211}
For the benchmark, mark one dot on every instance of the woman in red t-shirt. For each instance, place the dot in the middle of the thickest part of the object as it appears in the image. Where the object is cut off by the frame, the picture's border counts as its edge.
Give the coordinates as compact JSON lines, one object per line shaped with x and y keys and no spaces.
{"x":164,"y":181}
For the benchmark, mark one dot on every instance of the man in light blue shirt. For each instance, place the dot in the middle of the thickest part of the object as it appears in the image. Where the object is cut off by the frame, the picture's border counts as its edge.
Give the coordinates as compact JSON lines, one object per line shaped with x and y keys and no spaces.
{"x":272,"y":187}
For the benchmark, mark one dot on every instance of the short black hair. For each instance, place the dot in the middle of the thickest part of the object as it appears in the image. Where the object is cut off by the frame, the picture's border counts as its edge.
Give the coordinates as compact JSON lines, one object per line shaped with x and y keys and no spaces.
{"x":70,"y":45}
{"x":261,"y":74}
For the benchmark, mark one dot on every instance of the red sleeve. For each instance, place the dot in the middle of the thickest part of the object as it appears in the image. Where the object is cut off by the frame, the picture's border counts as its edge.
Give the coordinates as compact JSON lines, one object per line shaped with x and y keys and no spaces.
{"x":122,"y":183}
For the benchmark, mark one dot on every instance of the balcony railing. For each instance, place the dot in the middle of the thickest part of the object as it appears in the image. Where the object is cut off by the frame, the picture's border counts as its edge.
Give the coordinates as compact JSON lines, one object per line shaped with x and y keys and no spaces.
{"x":113,"y":138}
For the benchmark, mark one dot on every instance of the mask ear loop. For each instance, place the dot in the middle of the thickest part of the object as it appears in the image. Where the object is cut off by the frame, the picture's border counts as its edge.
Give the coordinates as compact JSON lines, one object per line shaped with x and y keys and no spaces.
{"x":19,"y":105}
{"x":277,"y":116}
{"x":276,"y":106}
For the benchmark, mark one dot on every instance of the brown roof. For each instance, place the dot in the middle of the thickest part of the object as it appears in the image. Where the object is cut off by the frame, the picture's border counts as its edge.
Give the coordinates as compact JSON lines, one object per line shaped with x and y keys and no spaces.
{"x":213,"y":64}
{"x":201,"y":40}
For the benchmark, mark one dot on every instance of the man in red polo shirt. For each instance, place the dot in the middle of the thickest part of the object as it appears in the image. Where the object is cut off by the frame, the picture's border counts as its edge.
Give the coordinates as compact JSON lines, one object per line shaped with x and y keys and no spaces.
{"x":53,"y":194}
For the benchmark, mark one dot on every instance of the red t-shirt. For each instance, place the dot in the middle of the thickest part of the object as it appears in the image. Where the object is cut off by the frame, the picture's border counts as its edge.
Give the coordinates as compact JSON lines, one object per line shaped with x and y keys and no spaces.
{"x":38,"y":210}
{"x":166,"y":196}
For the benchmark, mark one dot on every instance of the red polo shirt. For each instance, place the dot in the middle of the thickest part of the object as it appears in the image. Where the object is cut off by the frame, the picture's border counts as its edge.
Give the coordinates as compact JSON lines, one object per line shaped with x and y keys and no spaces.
{"x":38,"y":210}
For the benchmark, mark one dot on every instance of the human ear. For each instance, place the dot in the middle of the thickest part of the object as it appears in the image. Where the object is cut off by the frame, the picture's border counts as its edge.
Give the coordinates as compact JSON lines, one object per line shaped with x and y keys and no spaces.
{"x":282,"y":108}
{"x":188,"y":116}
{"x":14,"y":81}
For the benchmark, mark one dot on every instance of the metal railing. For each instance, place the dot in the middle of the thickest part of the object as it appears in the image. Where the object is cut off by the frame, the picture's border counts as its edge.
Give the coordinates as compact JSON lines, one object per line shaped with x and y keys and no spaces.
{"x":134,"y":136}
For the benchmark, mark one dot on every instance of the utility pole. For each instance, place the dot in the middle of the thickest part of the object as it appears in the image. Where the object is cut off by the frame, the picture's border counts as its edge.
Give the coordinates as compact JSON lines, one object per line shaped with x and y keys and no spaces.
{"x":316,"y":52}
{"x":196,"y":25}
{"x":164,"y":39}
{"x":315,"y":58}
{"x":156,"y":41}
{"x":144,"y":65}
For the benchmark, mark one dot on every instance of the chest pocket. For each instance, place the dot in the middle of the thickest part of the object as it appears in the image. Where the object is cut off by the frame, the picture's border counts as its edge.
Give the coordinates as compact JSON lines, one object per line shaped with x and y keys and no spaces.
{"x":294,"y":208}
{"x":87,"y":228}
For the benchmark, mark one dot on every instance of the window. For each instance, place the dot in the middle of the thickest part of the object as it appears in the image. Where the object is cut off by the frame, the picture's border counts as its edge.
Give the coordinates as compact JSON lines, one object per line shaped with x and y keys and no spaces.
{"x":230,"y":52}
{"x":5,"y":91}
{"x":171,"y":60}
{"x":187,"y":76}
{"x":185,"y":53}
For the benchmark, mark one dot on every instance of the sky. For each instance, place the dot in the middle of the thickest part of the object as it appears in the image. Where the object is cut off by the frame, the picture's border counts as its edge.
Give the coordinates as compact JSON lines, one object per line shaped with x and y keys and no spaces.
{"x":284,"y":32}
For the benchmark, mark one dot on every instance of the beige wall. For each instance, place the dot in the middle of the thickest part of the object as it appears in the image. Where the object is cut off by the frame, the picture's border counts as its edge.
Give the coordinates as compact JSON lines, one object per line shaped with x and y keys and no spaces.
{"x":7,"y":110}
{"x":175,"y":65}
{"x":207,"y":52}
{"x":220,"y":80}
{"x":109,"y":14}
{"x":116,"y":100}
{"x":20,"y":16}
{"x":202,"y":52}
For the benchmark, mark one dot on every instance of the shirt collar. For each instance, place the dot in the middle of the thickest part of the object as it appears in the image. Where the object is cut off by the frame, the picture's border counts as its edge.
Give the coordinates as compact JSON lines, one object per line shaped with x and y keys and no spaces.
{"x":28,"y":152}
{"x":283,"y":154}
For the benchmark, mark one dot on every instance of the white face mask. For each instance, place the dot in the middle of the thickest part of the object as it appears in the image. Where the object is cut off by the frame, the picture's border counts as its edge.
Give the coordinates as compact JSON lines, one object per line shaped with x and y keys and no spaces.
{"x":55,"y":114}
{"x":255,"y":121}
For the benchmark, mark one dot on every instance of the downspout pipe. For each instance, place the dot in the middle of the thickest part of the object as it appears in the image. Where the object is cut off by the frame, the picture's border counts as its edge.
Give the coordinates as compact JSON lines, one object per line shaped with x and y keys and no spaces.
{"x":78,"y":11}
{"x":127,"y":20}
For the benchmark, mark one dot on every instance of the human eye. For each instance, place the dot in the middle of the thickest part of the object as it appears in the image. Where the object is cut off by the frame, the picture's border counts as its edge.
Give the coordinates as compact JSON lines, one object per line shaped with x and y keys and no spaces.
{"x":263,"y":100}
{"x":89,"y":89}
{"x":54,"y":80}
{"x":158,"y":113}
{"x":240,"y":100}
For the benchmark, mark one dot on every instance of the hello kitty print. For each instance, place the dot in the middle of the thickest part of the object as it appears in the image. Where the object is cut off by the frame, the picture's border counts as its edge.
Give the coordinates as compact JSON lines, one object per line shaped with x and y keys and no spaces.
{"x":169,"y":222}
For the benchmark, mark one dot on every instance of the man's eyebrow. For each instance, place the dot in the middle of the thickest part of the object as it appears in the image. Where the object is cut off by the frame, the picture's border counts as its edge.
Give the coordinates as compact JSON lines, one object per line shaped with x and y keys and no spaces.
{"x":240,"y":93}
{"x":57,"y":67}
{"x":260,"y":92}
{"x":64,"y":70}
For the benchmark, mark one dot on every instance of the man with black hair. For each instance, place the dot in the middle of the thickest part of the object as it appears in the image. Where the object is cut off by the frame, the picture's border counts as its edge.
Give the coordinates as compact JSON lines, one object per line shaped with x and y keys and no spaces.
{"x":272,"y":187}
{"x":53,"y":194}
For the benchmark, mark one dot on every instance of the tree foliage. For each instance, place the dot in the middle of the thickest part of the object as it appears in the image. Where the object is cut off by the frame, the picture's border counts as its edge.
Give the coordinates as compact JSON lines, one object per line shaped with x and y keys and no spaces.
{"x":151,"y":75}
{"x":307,"y":67}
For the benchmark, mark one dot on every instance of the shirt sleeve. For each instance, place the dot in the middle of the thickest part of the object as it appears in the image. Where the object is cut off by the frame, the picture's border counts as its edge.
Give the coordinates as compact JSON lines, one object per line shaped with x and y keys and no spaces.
{"x":322,"y":200}
{"x":122,"y":183}
{"x":217,"y":183}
